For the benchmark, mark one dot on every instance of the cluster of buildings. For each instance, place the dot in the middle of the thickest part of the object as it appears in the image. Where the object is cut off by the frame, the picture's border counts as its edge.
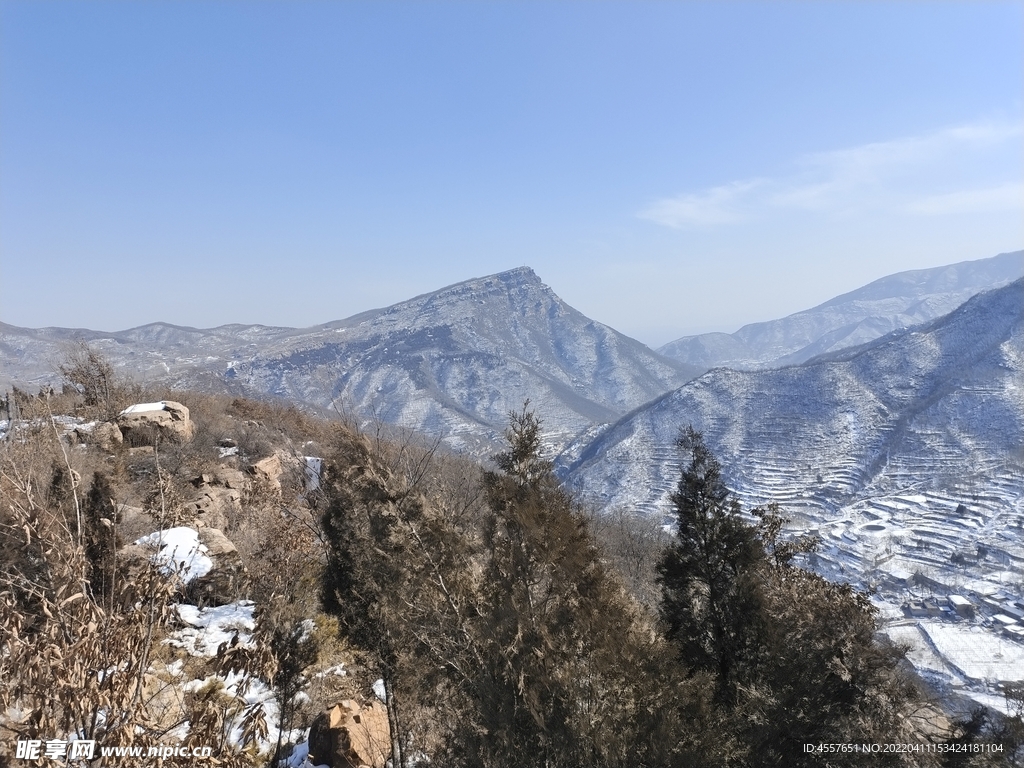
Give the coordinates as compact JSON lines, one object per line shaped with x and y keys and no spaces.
{"x":1002,"y":611}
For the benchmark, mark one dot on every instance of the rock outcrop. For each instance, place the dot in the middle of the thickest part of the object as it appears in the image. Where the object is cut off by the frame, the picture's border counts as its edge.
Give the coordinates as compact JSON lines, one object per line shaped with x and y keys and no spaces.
{"x":107,"y":436}
{"x":222,"y":584}
{"x":104,"y":435}
{"x":144,"y":423}
{"x":219,"y":499}
{"x":268,"y":472}
{"x":350,"y":736}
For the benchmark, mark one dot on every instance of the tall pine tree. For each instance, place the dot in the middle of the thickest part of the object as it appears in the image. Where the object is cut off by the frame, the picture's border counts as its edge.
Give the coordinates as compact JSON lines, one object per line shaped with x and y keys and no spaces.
{"x":710,"y":602}
{"x":569,"y":670}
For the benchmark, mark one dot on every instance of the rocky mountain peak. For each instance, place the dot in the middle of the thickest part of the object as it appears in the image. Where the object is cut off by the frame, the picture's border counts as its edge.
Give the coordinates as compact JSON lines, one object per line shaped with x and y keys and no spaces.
{"x":513,"y":287}
{"x":480,"y":298}
{"x":519,"y":275}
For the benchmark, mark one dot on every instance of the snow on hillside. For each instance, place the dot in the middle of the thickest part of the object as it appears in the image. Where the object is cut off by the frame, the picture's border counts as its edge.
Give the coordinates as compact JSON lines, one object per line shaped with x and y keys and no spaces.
{"x":451,"y":363}
{"x":204,"y":629}
{"x":178,"y":550}
{"x":902,"y":455}
{"x":890,"y":303}
{"x":201,"y":632}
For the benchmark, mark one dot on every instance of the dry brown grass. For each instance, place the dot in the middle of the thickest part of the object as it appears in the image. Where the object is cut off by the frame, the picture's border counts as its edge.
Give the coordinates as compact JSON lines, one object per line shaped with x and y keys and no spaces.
{"x":76,"y":662}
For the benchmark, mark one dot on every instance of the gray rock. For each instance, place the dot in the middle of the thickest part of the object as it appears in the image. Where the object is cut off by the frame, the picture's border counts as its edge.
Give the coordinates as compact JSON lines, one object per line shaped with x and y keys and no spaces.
{"x":217,"y":544}
{"x":107,"y":436}
{"x":223,"y":584}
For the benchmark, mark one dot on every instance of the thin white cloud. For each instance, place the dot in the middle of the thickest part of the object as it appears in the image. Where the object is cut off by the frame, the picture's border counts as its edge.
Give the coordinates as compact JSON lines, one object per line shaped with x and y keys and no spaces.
{"x":896,"y":176}
{"x":718,"y":205}
{"x":1005,"y":197}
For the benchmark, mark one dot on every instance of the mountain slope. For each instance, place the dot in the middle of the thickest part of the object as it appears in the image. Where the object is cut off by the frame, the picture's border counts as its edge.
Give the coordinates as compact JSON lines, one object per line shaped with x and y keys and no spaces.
{"x":936,"y":410}
{"x":454,"y":362}
{"x":896,"y":301}
{"x":451,"y":363}
{"x":905,"y":456}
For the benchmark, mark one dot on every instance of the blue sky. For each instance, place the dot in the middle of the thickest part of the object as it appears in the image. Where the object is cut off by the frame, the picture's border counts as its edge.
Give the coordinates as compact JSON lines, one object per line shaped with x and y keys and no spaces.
{"x":667,"y":168}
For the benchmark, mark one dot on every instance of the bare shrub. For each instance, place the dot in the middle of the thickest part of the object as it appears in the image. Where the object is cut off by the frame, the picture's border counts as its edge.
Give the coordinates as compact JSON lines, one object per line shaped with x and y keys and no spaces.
{"x":76,"y":660}
{"x":81,"y":630}
{"x":104,"y":392}
{"x":632,"y":543}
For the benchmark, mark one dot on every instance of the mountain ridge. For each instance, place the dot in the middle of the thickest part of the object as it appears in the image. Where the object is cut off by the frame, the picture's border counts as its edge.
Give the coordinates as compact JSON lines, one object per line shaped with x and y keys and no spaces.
{"x":898,"y":300}
{"x":878,"y":399}
{"x":451,"y":362}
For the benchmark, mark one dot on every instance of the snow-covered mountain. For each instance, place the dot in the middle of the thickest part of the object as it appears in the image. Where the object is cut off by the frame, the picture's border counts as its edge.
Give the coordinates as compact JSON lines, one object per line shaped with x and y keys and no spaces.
{"x":896,"y":301}
{"x":937,"y":406}
{"x":905,"y":456}
{"x":451,"y":363}
{"x":908,"y":449}
{"x":454,"y":362}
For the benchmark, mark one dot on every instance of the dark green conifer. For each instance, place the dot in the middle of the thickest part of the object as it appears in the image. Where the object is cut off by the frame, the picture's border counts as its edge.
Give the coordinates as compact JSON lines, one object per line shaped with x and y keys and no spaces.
{"x":710,"y":600}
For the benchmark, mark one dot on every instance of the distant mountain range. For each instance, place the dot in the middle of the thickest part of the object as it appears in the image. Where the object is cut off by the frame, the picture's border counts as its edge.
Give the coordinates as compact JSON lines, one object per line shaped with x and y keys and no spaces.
{"x":938,"y":403}
{"x":451,"y":363}
{"x":897,"y":301}
{"x":454,"y":362}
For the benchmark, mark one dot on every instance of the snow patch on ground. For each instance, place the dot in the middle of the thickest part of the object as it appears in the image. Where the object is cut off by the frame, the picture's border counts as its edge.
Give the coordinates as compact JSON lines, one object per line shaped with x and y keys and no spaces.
{"x":299,"y":758}
{"x":981,"y":655}
{"x":313,"y":466}
{"x":207,"y":628}
{"x":144,"y":407}
{"x":179,"y":551}
{"x":251,"y":691}
{"x":921,"y":654}
{"x":204,"y":630}
{"x":337,"y":669}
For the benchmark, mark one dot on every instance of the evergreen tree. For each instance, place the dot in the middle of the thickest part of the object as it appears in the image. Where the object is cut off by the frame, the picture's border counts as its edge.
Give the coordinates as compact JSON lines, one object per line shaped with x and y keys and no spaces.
{"x":794,"y":657}
{"x":398,"y":581}
{"x":570,"y":675}
{"x":820,"y":675}
{"x":710,"y":600}
{"x":531,"y":536}
{"x":367,"y":569}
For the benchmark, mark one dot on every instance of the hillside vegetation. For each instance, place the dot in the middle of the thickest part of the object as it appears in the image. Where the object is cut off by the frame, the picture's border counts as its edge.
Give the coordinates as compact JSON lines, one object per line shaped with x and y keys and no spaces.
{"x":225,"y":577}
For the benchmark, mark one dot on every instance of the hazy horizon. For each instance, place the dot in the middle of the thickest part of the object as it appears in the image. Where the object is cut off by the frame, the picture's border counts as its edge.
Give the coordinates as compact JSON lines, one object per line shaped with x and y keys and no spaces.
{"x":370,"y":309}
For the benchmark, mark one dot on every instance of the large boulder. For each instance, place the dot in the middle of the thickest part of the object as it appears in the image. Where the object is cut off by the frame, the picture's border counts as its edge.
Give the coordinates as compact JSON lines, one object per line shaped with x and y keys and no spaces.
{"x":219,"y":499}
{"x":268,"y":472}
{"x":143,"y":423}
{"x":350,"y":736}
